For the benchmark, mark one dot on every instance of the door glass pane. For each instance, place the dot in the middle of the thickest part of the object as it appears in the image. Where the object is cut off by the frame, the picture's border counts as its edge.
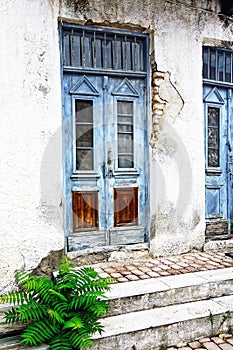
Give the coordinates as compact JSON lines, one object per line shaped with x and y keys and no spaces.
{"x":125,"y":143}
{"x":124,"y":119}
{"x":84,"y":134}
{"x":125,"y":107}
{"x":125,"y":134}
{"x":83,"y":111}
{"x":213,"y":114}
{"x":213,"y":137}
{"x":125,"y":161}
{"x":125,"y":128}
{"x":213,"y":159}
{"x":84,"y":159}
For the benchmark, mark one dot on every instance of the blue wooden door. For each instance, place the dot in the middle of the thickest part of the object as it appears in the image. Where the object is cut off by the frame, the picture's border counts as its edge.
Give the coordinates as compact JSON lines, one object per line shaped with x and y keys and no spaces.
{"x":106,"y":160}
{"x":105,"y":141}
{"x":219,"y":159}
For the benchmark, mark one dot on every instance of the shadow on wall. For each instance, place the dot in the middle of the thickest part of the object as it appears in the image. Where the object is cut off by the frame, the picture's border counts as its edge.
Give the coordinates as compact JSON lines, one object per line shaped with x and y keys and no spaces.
{"x":51,"y":181}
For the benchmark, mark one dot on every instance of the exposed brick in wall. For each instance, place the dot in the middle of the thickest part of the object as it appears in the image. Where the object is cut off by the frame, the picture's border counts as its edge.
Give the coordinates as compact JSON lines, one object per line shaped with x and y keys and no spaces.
{"x":158,"y":105}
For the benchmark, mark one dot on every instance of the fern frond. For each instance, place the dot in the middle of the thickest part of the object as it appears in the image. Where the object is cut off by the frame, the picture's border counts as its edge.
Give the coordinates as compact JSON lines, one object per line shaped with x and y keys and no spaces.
{"x":86,"y":299}
{"x":60,"y":342}
{"x":95,"y":326}
{"x":99,"y":308}
{"x":37,"y":284}
{"x":80,"y":339}
{"x":12,"y":316}
{"x":31,"y":311}
{"x":65,"y":265}
{"x":74,"y":323}
{"x":39,"y":332}
{"x":15,"y":298}
{"x":56,"y":317}
{"x":21,"y":277}
{"x":61,"y":307}
{"x":59,"y":295}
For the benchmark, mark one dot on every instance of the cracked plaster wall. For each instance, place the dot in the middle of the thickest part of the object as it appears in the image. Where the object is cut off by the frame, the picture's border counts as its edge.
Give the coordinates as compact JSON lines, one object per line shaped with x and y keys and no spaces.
{"x":30,"y":104}
{"x":30,"y":131}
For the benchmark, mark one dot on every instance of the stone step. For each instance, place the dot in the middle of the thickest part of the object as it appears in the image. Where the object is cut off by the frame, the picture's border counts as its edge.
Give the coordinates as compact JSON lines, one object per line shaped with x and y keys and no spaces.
{"x":8,"y":330}
{"x":164,"y":291}
{"x":157,"y":299}
{"x":173,"y":325}
{"x":13,"y":343}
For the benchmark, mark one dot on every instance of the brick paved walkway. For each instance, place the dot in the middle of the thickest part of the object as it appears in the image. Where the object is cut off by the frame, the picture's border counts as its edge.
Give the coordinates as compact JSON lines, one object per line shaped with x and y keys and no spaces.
{"x":174,"y":265}
{"x":222,"y":342}
{"x":142,"y":269}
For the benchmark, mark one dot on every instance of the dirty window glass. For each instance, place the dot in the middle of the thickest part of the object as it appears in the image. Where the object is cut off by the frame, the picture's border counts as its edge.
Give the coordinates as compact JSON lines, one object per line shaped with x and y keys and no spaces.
{"x":84,"y":134}
{"x":125,"y":134}
{"x":213,"y":136}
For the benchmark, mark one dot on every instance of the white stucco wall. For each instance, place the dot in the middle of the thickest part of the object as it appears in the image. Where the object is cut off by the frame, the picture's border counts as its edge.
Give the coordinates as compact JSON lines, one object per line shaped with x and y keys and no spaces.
{"x":30,"y":123}
{"x":30,"y":102}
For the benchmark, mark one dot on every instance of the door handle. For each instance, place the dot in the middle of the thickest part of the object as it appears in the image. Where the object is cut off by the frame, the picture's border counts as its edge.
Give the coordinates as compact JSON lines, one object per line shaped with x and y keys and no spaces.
{"x":231,"y":175}
{"x":109,"y":161}
{"x":109,"y":165}
{"x":229,"y":146}
{"x":110,"y":173}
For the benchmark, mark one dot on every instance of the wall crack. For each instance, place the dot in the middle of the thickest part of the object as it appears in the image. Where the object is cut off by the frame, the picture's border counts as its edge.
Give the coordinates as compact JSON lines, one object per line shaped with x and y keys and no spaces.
{"x":165,"y":100}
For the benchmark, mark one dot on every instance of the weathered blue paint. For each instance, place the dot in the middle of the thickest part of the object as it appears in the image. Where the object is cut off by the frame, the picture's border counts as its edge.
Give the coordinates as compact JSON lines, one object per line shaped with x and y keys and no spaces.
{"x":218,"y":178}
{"x":105,"y":90}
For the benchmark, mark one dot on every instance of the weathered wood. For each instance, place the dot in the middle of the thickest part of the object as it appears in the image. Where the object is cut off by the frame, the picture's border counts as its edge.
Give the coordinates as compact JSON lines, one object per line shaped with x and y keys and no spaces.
{"x":104,"y":116}
{"x":86,"y":240}
{"x":219,"y":163}
{"x":121,"y":236}
{"x":125,"y":206}
{"x":85,"y":210}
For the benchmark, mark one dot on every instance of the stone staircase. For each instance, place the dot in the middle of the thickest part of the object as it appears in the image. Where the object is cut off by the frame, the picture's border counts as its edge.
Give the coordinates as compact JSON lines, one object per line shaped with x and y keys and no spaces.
{"x":158,"y":312}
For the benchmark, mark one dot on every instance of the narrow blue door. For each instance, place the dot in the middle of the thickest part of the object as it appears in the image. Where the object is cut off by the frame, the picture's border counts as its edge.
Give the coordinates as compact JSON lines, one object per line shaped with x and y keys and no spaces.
{"x":219,"y":156}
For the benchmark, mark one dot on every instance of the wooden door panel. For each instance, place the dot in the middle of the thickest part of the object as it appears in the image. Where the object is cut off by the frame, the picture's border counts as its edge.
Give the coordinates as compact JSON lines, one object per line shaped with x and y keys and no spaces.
{"x":85,"y":210}
{"x":125,"y":206}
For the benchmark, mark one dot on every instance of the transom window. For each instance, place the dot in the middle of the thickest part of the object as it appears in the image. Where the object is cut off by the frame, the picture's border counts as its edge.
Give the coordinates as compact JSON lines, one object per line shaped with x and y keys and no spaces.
{"x":218,"y":64}
{"x":87,"y":47}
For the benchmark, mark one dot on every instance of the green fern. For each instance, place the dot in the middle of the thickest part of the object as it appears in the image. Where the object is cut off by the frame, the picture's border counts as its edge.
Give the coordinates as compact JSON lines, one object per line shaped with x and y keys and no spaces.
{"x":63,"y":312}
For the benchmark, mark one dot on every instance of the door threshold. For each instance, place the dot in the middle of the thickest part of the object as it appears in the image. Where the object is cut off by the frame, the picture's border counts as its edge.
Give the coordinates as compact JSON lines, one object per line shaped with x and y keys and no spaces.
{"x":91,"y":256}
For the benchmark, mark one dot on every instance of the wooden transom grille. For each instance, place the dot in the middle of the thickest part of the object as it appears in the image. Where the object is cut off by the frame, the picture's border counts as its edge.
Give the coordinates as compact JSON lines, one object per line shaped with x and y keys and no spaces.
{"x":218,"y":64}
{"x":98,"y":48}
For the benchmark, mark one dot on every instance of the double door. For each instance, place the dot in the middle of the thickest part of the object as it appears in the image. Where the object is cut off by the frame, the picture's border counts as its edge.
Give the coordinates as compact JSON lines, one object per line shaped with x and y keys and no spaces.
{"x":105,"y":160}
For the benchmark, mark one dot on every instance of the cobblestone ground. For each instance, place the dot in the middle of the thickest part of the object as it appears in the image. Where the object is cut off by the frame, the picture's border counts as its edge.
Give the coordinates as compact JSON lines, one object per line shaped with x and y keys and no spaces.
{"x":159,"y":267}
{"x":222,"y":342}
{"x":174,"y":265}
